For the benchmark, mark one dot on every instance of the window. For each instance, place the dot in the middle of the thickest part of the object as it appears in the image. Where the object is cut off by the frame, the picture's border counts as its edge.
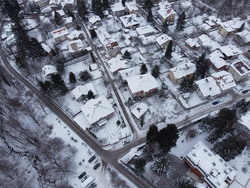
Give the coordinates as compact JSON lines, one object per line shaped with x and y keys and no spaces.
{"x":205,"y":150}
{"x":213,"y":163}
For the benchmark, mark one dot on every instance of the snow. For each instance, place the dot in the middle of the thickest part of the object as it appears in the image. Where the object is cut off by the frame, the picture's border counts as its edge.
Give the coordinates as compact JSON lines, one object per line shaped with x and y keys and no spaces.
{"x":224,"y":80}
{"x":131,"y":6}
{"x":166,"y":11}
{"x":46,"y":47}
{"x":126,"y":73}
{"x":208,"y":87}
{"x":232,"y":25}
{"x":145,"y":30}
{"x":117,"y":7}
{"x":48,"y":70}
{"x":241,"y":68}
{"x":230,"y":50}
{"x":193,"y":43}
{"x":74,"y":34}
{"x":216,"y":58}
{"x":245,"y":120}
{"x":183,"y":70}
{"x":207,"y":42}
{"x":139,"y":110}
{"x":117,"y":63}
{"x":245,"y":35}
{"x":129,"y":20}
{"x":80,"y":90}
{"x":60,"y":32}
{"x":75,"y":45}
{"x":94,"y":19}
{"x":163,"y":39}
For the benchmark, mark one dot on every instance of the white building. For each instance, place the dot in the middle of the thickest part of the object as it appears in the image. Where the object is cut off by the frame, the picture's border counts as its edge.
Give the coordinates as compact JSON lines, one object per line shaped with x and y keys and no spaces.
{"x":130,"y":21}
{"x":230,"y":51}
{"x":166,"y":13}
{"x":145,"y":30}
{"x":75,"y":45}
{"x":242,"y":38}
{"x":48,"y":70}
{"x":192,"y":44}
{"x":95,"y":20}
{"x":126,"y":73}
{"x":80,"y":91}
{"x":118,"y":9}
{"x":60,"y":34}
{"x":209,"y":167}
{"x":115,"y":64}
{"x":206,"y":42}
{"x":224,"y":80}
{"x":229,"y":27}
{"x":139,"y":110}
{"x":217,"y":61}
{"x":163,"y":41}
{"x":131,"y":8}
{"x":207,"y":88}
{"x":239,"y":70}
{"x":98,"y":110}
{"x":185,"y":70}
{"x":42,"y":3}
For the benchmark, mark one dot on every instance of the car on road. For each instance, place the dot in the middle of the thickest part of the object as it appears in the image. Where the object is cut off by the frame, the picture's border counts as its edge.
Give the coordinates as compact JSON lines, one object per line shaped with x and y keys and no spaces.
{"x":81,"y":175}
{"x":215,"y":102}
{"x":245,"y":91}
{"x":92,"y":158}
{"x":96,"y":166}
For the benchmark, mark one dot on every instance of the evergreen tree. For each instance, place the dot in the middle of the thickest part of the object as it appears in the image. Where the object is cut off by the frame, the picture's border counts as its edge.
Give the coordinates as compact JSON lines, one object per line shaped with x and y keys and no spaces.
{"x":152,"y":134}
{"x":97,"y":8}
{"x":202,"y":66}
{"x":92,"y":57}
{"x":143,"y":69}
{"x":84,"y":75}
{"x":161,"y":165}
{"x":123,"y":2}
{"x":81,"y":9}
{"x":58,"y":84}
{"x":127,"y":55}
{"x":165,"y":27}
{"x":90,"y":95}
{"x":156,"y":71}
{"x":105,"y":4}
{"x":181,"y":21}
{"x":57,"y":18}
{"x":35,"y":49}
{"x":242,"y":107}
{"x":148,"y":5}
{"x":150,"y":16}
{"x":93,"y":33}
{"x":12,"y":8}
{"x":139,"y":166}
{"x":168,"y":137}
{"x":59,"y":63}
{"x":241,"y":27}
{"x":72,"y":77}
{"x":230,"y":147}
{"x":183,"y":182}
{"x":169,"y":50}
{"x":44,"y":87}
{"x":187,"y":85}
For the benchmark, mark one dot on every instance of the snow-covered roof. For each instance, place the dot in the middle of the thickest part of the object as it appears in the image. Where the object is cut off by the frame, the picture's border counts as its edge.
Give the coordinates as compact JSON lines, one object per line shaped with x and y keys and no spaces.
{"x":116,"y":64}
{"x":245,"y":35}
{"x":232,"y":25}
{"x":216,"y":58}
{"x":139,"y":110}
{"x":94,"y":19}
{"x":230,"y":50}
{"x":96,"y":109}
{"x":46,"y":47}
{"x":207,"y":42}
{"x":61,"y":12}
{"x":165,"y":12}
{"x":163,"y":39}
{"x":126,"y":73}
{"x":68,"y":20}
{"x":192,"y":43}
{"x":80,"y":90}
{"x":186,"y":4}
{"x":129,"y":20}
{"x":147,"y":40}
{"x":208,"y":87}
{"x":6,"y":31}
{"x":75,"y":45}
{"x":48,"y":70}
{"x":245,"y":120}
{"x":224,"y":79}
{"x":145,"y":82}
{"x":93,"y":66}
{"x":60,"y":32}
{"x":131,"y":6}
{"x":74,"y":34}
{"x":117,"y":7}
{"x":241,"y":68}
{"x":147,"y":29}
{"x":183,"y":70}
{"x":216,"y":170}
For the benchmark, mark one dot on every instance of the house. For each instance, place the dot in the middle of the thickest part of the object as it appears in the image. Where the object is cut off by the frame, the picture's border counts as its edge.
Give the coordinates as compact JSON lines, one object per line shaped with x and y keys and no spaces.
{"x":79,"y":92}
{"x":166,"y":14}
{"x":147,"y":40}
{"x":95,"y":20}
{"x":118,"y":9}
{"x":139,"y":110}
{"x":217,"y":61}
{"x":142,"y":85}
{"x":42,"y":3}
{"x":244,"y":126}
{"x":75,"y":34}
{"x":110,"y":45}
{"x":209,"y":167}
{"x":192,"y":44}
{"x":162,"y":41}
{"x":207,"y":88}
{"x":210,"y":24}
{"x":126,"y":73}
{"x":131,"y":8}
{"x":47,"y":49}
{"x":98,"y":110}
{"x":116,"y":64}
{"x":47,"y":71}
{"x":146,"y":30}
{"x":242,"y":38}
{"x":178,"y":73}
{"x":230,"y":52}
{"x":93,"y":67}
{"x":230,"y":27}
{"x":60,"y":34}
{"x":75,"y":45}
{"x":130,"y":21}
{"x":206,"y":42}
{"x":224,"y":80}
{"x":239,"y":70}
{"x":68,"y":22}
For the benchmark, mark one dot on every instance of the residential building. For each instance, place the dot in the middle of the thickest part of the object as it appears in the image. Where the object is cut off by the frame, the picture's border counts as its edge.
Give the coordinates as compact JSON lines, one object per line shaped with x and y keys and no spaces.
{"x":230,"y":52}
{"x":110,"y":45}
{"x":205,"y":41}
{"x":192,"y":44}
{"x":142,"y":85}
{"x":42,"y":3}
{"x":126,"y":73}
{"x":244,"y":126}
{"x":145,"y":41}
{"x":95,"y":20}
{"x":98,"y":111}
{"x":217,"y":61}
{"x":166,"y":14}
{"x":185,"y":70}
{"x":130,"y":21}
{"x":139,"y":110}
{"x":75,"y":46}
{"x":207,"y":88}
{"x":60,"y":34}
{"x":116,"y":64}
{"x":239,"y":70}
{"x":146,"y":30}
{"x":80,"y":92}
{"x":209,"y":167}
{"x":224,"y":80}
{"x":68,"y":22}
{"x":162,"y":41}
{"x":47,"y":71}
{"x":242,"y":38}
{"x":118,"y":9}
{"x":75,"y":34}
{"x":230,"y":27}
{"x":131,"y":7}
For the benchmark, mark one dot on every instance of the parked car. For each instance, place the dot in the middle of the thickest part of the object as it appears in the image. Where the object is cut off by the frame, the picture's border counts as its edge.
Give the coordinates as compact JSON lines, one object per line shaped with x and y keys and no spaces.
{"x":81,"y":175}
{"x":215,"y":102}
{"x":92,"y":158}
{"x":245,"y":91}
{"x":96,"y":166}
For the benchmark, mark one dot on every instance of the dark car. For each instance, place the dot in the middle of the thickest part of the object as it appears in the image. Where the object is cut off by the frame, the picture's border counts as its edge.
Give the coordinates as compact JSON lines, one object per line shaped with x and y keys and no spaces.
{"x":215,"y":102}
{"x":244,"y":91}
{"x":81,"y":175}
{"x":96,"y":166}
{"x":92,"y":158}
